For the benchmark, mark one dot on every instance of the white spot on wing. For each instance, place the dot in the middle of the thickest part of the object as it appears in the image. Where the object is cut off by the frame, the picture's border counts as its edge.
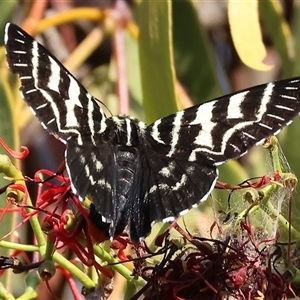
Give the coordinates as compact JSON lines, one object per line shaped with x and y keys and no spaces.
{"x":175,"y":131}
{"x":294,"y":80}
{"x":265,"y":101}
{"x":128,"y":128}
{"x":74,"y":91}
{"x":265,"y":126}
{"x":118,"y":121}
{"x":288,"y":97}
{"x":87,"y":170}
{"x":92,"y":180}
{"x":81,"y":158}
{"x":284,"y":107}
{"x":35,"y":63}
{"x":20,"y":41}
{"x":234,"y":106}
{"x":41,"y":106}
{"x":6,"y":33}
{"x":30,"y":91}
{"x":185,"y":211}
{"x":168,"y":219}
{"x":104,"y":184}
{"x":43,"y":125}
{"x":25,"y":77}
{"x":153,"y":189}
{"x":155,"y":132}
{"x":204,"y":113}
{"x":249,"y":135}
{"x":163,"y":186}
{"x":237,"y":149}
{"x":71,"y":120}
{"x":51,"y":121}
{"x":53,"y":81}
{"x":20,"y":65}
{"x":179,"y":184}
{"x":91,"y":120}
{"x":79,"y":138}
{"x":275,"y":117}
{"x":97,"y":163}
{"x":20,"y":33}
{"x":167,"y":171}
{"x":142,"y":127}
{"x":19,"y":52}
{"x":204,"y":137}
{"x":203,"y":117}
{"x":98,"y":166}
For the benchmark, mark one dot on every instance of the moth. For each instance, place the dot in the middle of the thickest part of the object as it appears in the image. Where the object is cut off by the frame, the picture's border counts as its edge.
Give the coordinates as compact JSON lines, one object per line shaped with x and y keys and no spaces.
{"x":137,"y":174}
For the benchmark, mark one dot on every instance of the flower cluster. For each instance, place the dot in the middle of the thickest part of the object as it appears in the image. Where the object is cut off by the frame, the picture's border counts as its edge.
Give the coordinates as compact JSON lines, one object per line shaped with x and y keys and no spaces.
{"x":230,"y":267}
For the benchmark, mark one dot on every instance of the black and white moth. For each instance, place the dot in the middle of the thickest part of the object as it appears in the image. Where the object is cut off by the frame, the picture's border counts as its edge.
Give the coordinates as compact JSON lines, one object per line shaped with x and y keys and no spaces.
{"x":137,"y":174}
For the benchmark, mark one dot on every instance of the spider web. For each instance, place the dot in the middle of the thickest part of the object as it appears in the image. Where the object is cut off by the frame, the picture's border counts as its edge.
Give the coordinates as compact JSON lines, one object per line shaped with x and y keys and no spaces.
{"x":270,"y":208}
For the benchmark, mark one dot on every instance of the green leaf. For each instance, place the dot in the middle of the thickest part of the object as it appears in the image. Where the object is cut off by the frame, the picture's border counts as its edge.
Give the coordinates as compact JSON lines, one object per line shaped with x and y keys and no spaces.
{"x":156,"y":59}
{"x":7,"y":9}
{"x":195,"y":67}
{"x":289,"y":137}
{"x":9,"y":136}
{"x":8,"y":130}
{"x":134,"y":76}
{"x":272,"y":17}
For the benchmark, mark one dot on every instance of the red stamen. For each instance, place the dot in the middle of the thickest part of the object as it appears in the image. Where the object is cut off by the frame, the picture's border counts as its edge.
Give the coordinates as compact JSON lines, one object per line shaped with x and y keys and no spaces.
{"x":13,"y":153}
